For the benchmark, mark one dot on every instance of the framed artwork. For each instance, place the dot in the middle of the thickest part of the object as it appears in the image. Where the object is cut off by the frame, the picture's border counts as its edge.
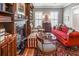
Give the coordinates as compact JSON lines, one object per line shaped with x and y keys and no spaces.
{"x":20,"y":12}
{"x":20,"y":7}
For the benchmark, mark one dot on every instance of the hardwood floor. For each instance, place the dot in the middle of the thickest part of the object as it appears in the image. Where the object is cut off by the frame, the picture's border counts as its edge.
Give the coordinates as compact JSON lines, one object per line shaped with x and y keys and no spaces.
{"x":34,"y":52}
{"x":60,"y":51}
{"x":29,"y":52}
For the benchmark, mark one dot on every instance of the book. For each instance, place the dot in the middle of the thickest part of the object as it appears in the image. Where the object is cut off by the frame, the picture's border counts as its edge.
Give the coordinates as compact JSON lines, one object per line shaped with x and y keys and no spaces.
{"x":1,"y":7}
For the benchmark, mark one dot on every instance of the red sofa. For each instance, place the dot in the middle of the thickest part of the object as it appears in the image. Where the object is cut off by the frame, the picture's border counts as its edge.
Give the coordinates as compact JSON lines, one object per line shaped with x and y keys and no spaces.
{"x":72,"y":39}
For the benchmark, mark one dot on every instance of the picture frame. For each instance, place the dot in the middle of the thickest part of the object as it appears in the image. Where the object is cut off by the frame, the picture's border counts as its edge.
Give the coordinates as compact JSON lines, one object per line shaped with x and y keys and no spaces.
{"x":20,"y":7}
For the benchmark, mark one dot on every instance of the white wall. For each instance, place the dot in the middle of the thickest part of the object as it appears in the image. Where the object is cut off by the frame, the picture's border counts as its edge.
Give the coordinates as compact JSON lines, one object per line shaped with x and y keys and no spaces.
{"x":67,"y":14}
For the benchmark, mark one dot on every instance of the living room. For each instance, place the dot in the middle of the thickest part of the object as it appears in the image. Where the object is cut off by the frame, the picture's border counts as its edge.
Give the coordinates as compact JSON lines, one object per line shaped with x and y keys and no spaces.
{"x":59,"y":21}
{"x":39,"y":29}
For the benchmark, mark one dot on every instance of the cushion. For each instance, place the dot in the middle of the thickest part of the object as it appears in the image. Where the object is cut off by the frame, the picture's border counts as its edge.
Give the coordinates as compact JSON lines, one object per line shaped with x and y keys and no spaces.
{"x":64,"y":29}
{"x":60,"y":33}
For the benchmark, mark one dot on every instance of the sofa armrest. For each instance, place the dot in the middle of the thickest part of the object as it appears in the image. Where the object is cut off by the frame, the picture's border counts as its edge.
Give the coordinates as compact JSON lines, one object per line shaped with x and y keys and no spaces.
{"x":74,"y":35}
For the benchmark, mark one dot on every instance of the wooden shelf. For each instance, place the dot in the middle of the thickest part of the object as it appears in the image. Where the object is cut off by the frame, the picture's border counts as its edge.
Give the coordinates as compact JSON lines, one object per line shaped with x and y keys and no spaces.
{"x":6,"y":8}
{"x":10,"y":4}
{"x":6,"y":12}
{"x":5,"y":19}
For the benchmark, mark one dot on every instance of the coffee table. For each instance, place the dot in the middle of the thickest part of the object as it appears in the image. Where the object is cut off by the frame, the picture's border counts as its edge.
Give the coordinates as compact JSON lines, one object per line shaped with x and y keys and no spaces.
{"x":49,"y":43}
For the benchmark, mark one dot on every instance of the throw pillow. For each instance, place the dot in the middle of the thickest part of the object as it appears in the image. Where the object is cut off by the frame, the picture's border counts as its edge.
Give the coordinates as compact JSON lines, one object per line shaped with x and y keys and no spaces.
{"x":70,"y":30}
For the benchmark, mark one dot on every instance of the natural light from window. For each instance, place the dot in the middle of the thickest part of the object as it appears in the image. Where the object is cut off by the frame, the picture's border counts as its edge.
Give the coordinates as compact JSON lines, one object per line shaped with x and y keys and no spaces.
{"x":39,"y":18}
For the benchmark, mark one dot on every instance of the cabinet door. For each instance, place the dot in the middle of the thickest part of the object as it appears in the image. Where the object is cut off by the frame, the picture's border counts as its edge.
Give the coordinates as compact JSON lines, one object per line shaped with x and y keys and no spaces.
{"x":13,"y":48}
{"x":4,"y":50}
{"x":10,"y":48}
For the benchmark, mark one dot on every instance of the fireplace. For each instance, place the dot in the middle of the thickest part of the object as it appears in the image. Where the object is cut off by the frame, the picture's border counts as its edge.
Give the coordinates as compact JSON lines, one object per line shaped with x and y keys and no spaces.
{"x":21,"y":35}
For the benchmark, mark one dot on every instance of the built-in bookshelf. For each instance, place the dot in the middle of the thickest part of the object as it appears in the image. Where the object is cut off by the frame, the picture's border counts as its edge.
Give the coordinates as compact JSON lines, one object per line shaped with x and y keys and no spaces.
{"x":6,"y":8}
{"x":6,"y":17}
{"x":7,"y":32}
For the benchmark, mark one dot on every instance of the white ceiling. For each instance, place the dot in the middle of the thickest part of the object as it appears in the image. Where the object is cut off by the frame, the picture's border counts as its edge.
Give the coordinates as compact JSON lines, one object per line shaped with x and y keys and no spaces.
{"x":50,"y":5}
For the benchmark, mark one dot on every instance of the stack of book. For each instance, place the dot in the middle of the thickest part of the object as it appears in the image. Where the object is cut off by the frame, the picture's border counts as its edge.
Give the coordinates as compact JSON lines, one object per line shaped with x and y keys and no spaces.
{"x":2,"y":33}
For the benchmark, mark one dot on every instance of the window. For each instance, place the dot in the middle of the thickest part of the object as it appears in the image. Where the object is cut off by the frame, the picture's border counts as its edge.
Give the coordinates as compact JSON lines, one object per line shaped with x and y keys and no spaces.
{"x":54,"y":18}
{"x":38,"y":19}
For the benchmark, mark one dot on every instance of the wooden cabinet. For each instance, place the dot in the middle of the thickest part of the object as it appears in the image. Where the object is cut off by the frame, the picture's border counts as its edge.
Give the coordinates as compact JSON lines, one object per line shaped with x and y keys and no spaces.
{"x":47,"y":27}
{"x":12,"y":48}
{"x":4,"y":49}
{"x":8,"y":47}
